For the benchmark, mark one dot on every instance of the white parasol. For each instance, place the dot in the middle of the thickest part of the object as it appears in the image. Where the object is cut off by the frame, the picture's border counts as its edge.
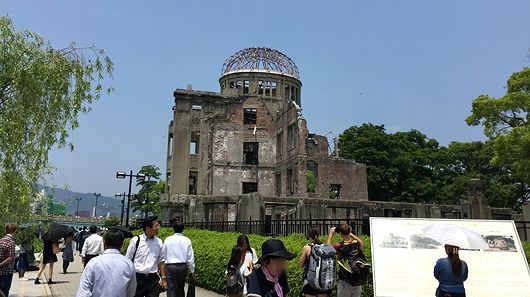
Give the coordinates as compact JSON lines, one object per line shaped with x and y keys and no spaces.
{"x":455,"y":235}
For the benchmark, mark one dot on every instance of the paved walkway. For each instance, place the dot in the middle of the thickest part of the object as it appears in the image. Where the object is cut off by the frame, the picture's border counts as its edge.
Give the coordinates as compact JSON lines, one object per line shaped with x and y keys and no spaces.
{"x":66,"y":284}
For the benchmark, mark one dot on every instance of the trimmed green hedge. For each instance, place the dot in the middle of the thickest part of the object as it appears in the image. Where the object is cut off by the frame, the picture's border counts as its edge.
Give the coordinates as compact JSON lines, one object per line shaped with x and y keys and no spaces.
{"x":212,"y":250}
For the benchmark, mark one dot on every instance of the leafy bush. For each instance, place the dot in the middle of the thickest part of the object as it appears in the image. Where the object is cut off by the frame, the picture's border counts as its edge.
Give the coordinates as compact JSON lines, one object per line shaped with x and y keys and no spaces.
{"x":112,"y":221}
{"x":526,"y":247}
{"x":212,"y":250}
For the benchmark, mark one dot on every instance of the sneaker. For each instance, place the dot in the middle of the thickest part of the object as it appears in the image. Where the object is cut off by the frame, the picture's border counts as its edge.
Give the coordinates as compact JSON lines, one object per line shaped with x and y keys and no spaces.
{"x":22,"y":279}
{"x":50,"y":282}
{"x":37,"y":281}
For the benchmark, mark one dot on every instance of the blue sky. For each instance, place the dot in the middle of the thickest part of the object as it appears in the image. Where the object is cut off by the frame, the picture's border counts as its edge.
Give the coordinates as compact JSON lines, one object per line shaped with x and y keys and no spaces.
{"x":404,"y":64}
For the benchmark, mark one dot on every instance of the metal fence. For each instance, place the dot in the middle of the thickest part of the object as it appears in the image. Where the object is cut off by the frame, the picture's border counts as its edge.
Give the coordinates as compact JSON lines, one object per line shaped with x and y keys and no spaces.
{"x":289,"y":226}
{"x":282,"y":227}
{"x":523,"y":227}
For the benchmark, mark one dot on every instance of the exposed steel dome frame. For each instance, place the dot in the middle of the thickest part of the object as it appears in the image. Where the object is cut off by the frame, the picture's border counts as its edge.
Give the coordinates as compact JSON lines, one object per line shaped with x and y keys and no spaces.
{"x":260,"y":59}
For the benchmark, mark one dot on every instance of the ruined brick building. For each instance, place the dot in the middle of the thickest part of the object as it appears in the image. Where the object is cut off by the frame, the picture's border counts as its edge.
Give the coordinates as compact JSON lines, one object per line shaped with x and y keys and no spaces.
{"x":246,"y":152}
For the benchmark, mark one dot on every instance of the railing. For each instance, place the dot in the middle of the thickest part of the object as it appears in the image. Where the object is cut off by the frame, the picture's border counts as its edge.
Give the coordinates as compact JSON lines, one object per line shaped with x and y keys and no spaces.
{"x":523,"y":227}
{"x":288,"y":226}
{"x":71,"y":219}
{"x":282,"y":227}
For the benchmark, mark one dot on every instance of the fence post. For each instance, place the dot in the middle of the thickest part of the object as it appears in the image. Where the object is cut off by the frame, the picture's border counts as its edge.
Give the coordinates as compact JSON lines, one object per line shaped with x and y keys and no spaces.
{"x":366,"y":224}
{"x":250,"y":225}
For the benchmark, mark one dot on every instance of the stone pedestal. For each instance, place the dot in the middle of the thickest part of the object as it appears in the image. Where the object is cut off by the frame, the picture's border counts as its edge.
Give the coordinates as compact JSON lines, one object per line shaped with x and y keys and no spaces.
{"x":250,"y":206}
{"x":477,"y":199}
{"x":195,"y":211}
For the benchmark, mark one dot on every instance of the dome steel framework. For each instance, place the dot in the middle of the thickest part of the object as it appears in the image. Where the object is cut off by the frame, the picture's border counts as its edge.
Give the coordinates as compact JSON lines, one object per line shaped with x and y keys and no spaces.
{"x":260,"y":58}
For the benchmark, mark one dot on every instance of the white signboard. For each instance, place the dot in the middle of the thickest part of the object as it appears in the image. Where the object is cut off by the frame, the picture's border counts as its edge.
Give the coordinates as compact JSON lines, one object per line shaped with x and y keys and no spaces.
{"x":403,"y":260}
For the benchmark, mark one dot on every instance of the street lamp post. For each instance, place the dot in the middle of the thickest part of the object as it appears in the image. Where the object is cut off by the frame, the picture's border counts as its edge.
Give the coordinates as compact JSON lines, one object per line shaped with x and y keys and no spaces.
{"x":123,"y":175}
{"x":122,"y":204}
{"x":96,"y":207}
{"x":77,"y":210}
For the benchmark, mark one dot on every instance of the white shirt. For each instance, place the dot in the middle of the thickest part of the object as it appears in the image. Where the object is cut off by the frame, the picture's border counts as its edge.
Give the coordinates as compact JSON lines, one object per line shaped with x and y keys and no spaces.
{"x":150,"y":253}
{"x":93,"y":246}
{"x":250,"y":258}
{"x":109,"y":275}
{"x":179,"y":250}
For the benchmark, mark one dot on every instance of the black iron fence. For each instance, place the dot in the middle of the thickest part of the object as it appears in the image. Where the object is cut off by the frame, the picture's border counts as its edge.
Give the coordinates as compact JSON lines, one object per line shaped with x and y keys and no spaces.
{"x":282,"y":227}
{"x":523,"y":227}
{"x":288,"y":226}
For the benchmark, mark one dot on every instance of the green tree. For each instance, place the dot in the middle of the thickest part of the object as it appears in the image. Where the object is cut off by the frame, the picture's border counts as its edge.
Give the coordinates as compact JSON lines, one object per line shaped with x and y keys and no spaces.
{"x":148,"y":198}
{"x":506,"y":123}
{"x":401,"y":166}
{"x":408,"y":166}
{"x":112,"y":221}
{"x":42,"y":92}
{"x":465,"y":161}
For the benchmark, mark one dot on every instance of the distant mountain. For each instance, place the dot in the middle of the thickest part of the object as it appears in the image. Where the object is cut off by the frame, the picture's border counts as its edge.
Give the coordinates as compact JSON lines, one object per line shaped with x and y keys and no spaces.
{"x":87,"y":202}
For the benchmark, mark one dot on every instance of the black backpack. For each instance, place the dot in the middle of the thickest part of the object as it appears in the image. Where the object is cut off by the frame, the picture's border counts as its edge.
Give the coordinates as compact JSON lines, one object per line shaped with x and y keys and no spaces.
{"x":234,"y":284}
{"x":353,"y":267}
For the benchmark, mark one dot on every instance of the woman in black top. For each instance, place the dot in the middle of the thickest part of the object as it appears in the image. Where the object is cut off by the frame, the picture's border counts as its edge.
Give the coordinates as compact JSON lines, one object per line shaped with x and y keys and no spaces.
{"x":270,"y":280}
{"x":307,"y":290}
{"x":49,"y":256}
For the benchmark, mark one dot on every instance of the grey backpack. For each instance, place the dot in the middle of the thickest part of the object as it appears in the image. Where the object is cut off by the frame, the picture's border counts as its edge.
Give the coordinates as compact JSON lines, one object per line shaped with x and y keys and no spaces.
{"x":321,"y":272}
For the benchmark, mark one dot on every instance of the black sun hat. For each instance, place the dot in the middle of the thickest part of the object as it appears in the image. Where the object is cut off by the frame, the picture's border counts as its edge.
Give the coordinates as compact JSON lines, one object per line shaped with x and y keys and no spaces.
{"x":274,"y":248}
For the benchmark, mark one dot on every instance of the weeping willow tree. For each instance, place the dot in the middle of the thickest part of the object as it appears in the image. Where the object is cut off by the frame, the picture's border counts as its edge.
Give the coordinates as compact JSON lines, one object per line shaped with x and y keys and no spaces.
{"x":42,"y":92}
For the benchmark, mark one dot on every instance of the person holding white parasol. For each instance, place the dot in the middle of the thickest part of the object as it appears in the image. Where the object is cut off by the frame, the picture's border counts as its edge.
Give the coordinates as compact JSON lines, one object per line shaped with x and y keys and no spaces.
{"x":451,"y":272}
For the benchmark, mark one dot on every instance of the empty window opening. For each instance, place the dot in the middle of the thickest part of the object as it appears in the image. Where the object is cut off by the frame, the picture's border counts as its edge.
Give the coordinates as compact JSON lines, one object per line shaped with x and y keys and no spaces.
{"x":274,"y":87}
{"x":278,"y":184}
{"x":250,"y":188}
{"x":246,"y":87}
{"x":334,"y":191}
{"x":170,"y":146}
{"x":298,"y":96}
{"x":196,"y":107}
{"x":193,"y":147}
{"x":168,"y":182}
{"x":311,"y":176}
{"x":267,"y":88}
{"x":249,"y":116}
{"x":279,"y":144}
{"x":261,"y":86}
{"x":194,"y":144}
{"x":287,"y":91}
{"x":192,"y":183}
{"x":290,"y":182}
{"x":293,"y":93}
{"x":250,"y":153}
{"x":292,"y":135}
{"x":239,"y":84}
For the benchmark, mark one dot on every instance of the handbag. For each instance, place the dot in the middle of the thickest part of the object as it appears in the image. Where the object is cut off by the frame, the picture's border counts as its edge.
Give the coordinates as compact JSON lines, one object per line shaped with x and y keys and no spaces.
{"x":191,"y":289}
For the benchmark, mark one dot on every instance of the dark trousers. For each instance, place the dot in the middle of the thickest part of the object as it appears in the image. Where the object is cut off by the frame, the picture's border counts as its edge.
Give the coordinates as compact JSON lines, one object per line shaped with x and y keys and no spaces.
{"x":176,"y":277}
{"x":147,"y":285}
{"x":442,"y":293}
{"x":65,"y":265}
{"x":88,"y":258}
{"x":5,"y":283}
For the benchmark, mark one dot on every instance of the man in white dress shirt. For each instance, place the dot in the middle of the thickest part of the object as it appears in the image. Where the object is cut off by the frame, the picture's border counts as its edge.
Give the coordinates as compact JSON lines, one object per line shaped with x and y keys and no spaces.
{"x":148,"y":255}
{"x":93,"y":246}
{"x":179,"y":255}
{"x":111,"y":274}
